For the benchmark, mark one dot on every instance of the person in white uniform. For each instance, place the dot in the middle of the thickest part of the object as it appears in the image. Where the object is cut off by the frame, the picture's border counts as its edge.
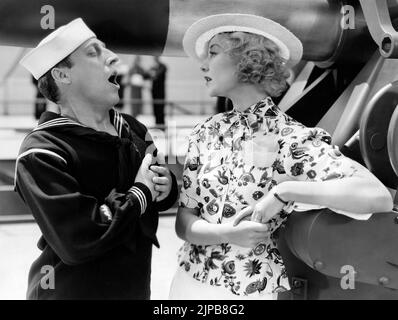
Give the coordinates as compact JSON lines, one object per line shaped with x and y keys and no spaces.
{"x":247,"y":169}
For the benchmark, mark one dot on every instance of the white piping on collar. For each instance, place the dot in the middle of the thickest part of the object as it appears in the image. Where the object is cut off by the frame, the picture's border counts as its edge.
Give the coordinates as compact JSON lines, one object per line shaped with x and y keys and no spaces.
{"x":34,"y":150}
{"x":118,"y":122}
{"x":56,"y":123}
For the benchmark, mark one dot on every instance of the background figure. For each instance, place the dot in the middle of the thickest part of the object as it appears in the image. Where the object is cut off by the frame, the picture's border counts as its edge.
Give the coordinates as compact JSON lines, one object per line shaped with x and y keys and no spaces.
{"x":224,"y":104}
{"x":40,"y":101}
{"x":122,"y":72}
{"x":136,"y":77}
{"x":158,"y":75}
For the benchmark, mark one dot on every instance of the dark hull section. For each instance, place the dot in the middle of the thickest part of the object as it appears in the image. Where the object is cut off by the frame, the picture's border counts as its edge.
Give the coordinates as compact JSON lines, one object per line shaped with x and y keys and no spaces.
{"x":156,"y":27}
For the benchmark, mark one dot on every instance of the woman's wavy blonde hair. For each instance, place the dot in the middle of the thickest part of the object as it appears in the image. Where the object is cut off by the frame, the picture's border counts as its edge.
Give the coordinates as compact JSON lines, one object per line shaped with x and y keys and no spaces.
{"x":258,"y":61}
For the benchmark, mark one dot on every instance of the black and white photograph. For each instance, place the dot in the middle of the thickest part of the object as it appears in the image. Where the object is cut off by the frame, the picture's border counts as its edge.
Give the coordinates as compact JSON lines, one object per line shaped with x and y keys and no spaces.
{"x":199,"y":154}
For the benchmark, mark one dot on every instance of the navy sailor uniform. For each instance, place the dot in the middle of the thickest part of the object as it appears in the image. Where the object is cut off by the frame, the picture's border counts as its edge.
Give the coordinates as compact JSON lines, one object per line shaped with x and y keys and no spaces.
{"x":66,"y":173}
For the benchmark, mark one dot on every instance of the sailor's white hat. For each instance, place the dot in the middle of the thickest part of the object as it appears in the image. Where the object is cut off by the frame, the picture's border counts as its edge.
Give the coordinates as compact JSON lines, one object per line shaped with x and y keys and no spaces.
{"x":56,"y":46}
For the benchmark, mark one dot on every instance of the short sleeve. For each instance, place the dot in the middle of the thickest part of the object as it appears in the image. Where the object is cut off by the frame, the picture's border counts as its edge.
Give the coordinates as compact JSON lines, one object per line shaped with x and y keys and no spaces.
{"x":190,"y":190}
{"x":308,"y":155}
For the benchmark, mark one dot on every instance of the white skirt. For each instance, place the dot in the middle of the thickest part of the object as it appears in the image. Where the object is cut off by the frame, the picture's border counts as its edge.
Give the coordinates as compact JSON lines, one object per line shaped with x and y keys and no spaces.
{"x":184,"y":287}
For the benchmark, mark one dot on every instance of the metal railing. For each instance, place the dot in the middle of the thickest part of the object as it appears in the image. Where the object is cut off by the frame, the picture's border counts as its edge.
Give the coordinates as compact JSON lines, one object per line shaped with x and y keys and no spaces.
{"x":15,"y":92}
{"x":171,"y":106}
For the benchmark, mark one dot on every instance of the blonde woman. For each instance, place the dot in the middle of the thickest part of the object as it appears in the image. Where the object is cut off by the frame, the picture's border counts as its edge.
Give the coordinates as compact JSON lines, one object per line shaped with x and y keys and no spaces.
{"x":254,"y":162}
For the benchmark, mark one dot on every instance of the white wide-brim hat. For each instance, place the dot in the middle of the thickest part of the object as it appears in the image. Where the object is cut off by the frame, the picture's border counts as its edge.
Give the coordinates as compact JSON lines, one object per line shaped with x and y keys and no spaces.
{"x":198,"y":35}
{"x":56,"y":46}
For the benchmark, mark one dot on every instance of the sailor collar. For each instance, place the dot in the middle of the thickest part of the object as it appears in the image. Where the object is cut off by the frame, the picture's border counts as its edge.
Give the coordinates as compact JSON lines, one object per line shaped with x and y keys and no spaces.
{"x":53,"y":120}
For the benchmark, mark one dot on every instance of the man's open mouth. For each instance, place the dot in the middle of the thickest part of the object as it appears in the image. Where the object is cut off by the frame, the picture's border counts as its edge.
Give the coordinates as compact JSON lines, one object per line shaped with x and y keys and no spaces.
{"x":113,"y":79}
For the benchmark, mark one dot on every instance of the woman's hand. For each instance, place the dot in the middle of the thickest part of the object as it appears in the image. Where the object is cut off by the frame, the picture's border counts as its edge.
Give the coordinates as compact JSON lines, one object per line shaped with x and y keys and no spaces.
{"x":246,"y":234}
{"x":267,"y":208}
{"x":192,"y":228}
{"x":263,"y":211}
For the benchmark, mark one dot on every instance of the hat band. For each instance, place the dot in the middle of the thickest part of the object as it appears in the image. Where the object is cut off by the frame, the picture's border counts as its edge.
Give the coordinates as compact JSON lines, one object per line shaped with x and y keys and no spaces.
{"x":202,"y":41}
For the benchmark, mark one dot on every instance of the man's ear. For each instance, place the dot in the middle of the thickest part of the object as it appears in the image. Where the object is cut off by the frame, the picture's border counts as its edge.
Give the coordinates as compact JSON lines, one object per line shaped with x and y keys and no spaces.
{"x":61,"y":75}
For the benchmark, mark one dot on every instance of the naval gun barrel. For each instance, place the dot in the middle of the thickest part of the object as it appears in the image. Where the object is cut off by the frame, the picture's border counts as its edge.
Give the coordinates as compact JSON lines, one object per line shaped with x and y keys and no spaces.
{"x":331,"y":31}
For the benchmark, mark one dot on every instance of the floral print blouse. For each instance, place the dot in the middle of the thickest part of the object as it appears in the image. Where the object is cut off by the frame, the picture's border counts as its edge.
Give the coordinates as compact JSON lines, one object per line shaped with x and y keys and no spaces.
{"x":234,"y":159}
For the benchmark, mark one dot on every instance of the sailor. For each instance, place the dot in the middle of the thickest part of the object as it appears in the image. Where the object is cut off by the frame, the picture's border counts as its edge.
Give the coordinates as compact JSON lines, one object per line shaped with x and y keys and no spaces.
{"x":90,"y":176}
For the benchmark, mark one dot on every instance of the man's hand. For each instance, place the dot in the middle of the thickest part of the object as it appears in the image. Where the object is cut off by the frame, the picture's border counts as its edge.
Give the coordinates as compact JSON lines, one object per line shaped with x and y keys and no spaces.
{"x":163,"y":182}
{"x":146,"y":175}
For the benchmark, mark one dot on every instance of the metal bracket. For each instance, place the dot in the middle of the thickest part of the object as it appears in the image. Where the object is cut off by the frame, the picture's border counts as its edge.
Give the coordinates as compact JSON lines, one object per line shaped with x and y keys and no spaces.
{"x":299,"y":288}
{"x":378,"y":19}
